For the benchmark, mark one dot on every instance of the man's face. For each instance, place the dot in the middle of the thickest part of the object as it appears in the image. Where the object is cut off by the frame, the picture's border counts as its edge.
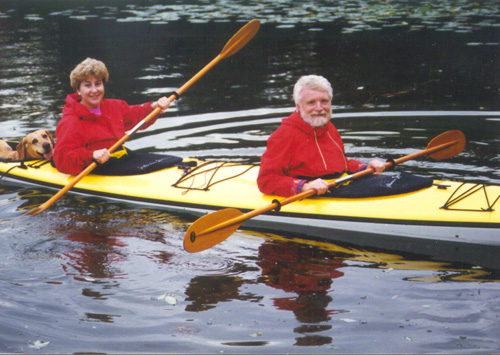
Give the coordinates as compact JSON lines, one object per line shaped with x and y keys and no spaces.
{"x":315,"y":107}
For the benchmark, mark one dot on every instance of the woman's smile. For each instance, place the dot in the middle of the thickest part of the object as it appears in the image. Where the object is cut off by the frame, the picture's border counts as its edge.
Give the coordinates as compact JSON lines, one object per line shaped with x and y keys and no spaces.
{"x":91,"y":91}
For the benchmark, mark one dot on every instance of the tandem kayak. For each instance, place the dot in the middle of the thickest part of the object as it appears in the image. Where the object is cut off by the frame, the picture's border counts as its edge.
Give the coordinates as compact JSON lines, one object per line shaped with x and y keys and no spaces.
{"x":448,"y":211}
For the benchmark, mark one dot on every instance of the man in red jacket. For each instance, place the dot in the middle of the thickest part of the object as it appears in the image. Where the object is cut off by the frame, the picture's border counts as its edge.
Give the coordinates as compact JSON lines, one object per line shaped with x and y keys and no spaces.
{"x":90,"y":123}
{"x":306,"y":147}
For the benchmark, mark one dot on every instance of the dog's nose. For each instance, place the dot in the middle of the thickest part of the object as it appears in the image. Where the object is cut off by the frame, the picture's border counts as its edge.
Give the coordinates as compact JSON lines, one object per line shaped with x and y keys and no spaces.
{"x":47,"y":147}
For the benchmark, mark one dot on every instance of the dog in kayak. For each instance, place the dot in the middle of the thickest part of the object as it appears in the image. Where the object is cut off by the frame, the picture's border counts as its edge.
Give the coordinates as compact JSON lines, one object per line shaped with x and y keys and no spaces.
{"x":36,"y":145}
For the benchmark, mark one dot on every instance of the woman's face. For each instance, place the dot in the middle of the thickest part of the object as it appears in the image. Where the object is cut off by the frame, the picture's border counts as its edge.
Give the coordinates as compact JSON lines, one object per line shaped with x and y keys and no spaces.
{"x":91,"y":91}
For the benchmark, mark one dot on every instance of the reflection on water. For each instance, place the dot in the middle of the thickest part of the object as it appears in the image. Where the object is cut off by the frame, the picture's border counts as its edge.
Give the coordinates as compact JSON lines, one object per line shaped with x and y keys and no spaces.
{"x":204,"y":292}
{"x":390,"y":262}
{"x":307,"y":275}
{"x":93,"y":255}
{"x":113,"y":272}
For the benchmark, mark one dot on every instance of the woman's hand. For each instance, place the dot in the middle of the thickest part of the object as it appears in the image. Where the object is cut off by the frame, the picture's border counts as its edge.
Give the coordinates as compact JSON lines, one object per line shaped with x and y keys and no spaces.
{"x":163,"y":103}
{"x":101,"y":156}
{"x":321,"y":186}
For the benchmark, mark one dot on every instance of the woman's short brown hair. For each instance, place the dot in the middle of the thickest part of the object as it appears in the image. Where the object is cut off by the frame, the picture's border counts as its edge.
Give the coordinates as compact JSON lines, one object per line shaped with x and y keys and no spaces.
{"x":89,"y":67}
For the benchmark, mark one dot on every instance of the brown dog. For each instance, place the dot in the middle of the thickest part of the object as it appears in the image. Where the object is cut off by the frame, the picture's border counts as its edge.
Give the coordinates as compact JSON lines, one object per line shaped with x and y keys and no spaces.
{"x":36,"y":145}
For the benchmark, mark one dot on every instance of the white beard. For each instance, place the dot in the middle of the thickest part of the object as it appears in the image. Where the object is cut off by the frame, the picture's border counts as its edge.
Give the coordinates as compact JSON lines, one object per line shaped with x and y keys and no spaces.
{"x":316,"y":121}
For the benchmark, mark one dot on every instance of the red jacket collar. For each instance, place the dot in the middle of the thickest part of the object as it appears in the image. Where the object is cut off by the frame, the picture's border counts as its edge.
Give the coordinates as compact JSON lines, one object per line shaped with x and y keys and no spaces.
{"x":74,"y":107}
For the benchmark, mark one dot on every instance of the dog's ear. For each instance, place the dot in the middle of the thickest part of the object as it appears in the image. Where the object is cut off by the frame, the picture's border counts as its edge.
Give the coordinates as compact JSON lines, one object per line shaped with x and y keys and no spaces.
{"x":50,"y":137}
{"x":21,"y":149}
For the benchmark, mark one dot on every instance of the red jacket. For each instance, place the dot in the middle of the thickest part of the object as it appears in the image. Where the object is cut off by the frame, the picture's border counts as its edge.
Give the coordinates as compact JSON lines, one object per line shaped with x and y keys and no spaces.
{"x":80,"y":132}
{"x":296,"y":149}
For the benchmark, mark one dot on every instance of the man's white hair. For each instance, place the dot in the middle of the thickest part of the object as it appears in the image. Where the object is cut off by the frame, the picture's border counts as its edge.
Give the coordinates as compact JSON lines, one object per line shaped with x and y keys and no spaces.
{"x":313,"y":82}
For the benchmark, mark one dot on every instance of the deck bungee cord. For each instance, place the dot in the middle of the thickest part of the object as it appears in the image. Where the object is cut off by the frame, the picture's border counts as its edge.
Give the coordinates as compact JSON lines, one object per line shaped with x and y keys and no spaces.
{"x":209,"y":175}
{"x":467,"y":194}
{"x":22,"y":165}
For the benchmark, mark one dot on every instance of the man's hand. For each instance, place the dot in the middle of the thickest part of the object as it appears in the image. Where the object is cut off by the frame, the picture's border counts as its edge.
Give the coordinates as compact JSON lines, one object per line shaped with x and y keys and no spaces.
{"x":321,"y":186}
{"x":377,"y":166}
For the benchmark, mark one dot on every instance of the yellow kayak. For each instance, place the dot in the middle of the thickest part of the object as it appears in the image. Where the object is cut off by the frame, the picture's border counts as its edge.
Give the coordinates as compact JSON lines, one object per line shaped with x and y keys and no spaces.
{"x":446,"y":210}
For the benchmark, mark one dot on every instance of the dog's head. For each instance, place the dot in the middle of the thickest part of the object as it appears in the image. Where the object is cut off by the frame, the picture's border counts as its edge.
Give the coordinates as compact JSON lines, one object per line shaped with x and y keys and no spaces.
{"x":36,"y":145}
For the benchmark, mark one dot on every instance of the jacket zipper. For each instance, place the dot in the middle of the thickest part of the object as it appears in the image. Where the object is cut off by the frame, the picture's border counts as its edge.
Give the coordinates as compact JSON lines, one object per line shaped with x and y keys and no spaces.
{"x":319,"y":150}
{"x":321,"y":153}
{"x":341,"y":151}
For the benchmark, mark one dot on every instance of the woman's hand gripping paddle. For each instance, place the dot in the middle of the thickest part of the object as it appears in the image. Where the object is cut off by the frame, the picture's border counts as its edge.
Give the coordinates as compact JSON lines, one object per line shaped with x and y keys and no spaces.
{"x":238,"y":41}
{"x":215,"y":227}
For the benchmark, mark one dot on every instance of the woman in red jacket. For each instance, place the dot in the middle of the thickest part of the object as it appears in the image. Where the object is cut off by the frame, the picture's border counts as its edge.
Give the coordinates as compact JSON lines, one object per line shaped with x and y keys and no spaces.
{"x":91,"y":124}
{"x":307,"y":146}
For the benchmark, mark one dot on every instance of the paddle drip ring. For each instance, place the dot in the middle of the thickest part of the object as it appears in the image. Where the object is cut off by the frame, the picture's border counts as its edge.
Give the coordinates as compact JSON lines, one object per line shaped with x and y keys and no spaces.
{"x":175,"y":93}
{"x":278,"y":207}
{"x":393,"y":164}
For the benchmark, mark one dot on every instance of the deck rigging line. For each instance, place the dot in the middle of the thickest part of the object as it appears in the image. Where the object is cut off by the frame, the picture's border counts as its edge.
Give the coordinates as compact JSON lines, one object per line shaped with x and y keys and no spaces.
{"x":476,"y":188}
{"x":209,"y":175}
{"x":24,"y":166}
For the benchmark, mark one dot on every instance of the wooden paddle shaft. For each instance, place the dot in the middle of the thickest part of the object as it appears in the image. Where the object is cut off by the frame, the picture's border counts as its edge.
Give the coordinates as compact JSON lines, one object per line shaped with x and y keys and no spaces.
{"x":389,"y":164}
{"x":392,"y":163}
{"x":235,"y":43}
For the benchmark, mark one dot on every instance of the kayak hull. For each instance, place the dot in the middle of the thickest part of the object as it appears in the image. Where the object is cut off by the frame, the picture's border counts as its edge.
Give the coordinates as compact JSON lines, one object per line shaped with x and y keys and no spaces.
{"x":447,"y":211}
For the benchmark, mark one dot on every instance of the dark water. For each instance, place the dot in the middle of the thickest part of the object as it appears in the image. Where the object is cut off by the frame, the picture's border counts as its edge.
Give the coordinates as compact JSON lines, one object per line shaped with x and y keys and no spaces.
{"x":95,"y":276}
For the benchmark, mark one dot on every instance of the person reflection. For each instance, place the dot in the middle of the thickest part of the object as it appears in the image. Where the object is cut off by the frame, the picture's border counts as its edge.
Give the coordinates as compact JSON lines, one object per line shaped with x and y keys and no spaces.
{"x":94,"y":256}
{"x":307,"y":272}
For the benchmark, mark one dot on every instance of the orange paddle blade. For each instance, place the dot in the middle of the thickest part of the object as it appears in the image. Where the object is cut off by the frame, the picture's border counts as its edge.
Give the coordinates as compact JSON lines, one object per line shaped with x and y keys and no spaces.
{"x":196,"y":240}
{"x":450,"y":151}
{"x":240,"y":38}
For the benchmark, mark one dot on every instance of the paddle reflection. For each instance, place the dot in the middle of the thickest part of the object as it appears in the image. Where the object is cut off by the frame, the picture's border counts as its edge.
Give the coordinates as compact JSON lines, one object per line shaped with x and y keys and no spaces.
{"x":205,"y":292}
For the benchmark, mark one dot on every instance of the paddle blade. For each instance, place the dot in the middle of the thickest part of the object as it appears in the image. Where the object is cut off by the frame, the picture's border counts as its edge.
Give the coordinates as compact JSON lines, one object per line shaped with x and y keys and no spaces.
{"x":240,"y":38}
{"x":195,"y":240}
{"x":34,"y":211}
{"x":453,"y":149}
